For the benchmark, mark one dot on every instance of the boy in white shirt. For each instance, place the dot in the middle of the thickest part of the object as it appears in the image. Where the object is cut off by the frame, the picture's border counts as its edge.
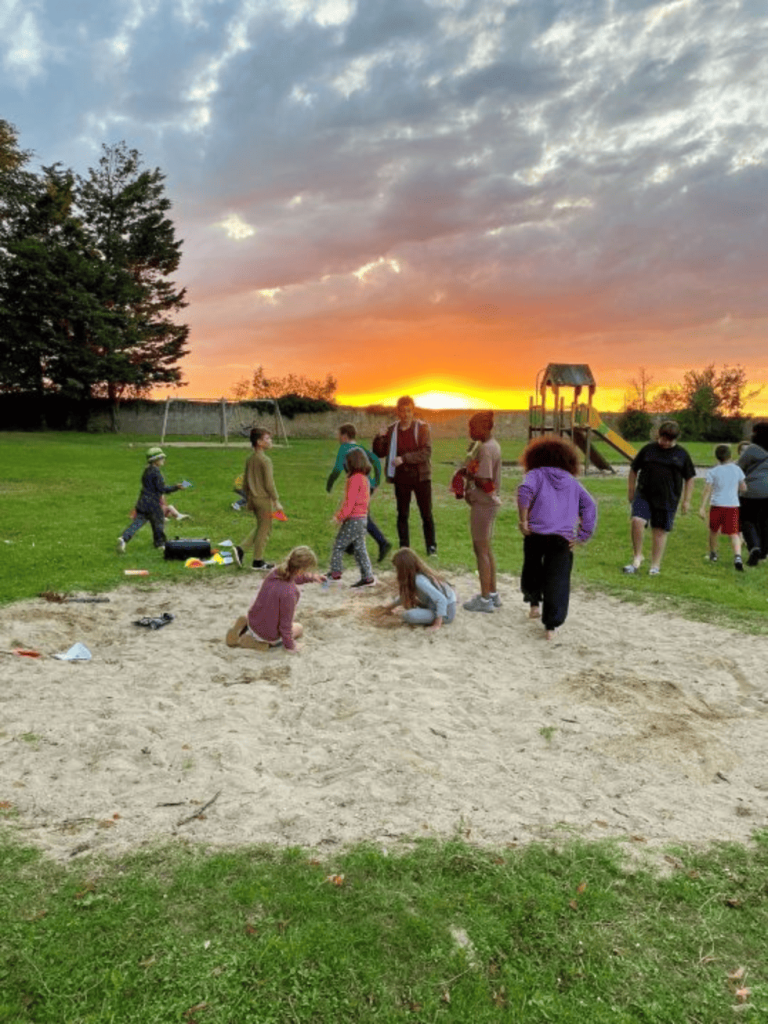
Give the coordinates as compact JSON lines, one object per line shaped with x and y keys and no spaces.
{"x":724,"y":484}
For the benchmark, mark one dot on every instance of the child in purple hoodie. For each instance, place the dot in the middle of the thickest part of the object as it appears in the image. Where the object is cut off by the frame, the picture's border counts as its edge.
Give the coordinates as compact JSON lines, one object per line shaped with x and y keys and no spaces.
{"x":555,"y":513}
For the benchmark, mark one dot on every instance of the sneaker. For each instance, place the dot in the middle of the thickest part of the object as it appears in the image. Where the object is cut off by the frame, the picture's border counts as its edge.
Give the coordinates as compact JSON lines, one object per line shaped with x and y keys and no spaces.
{"x":754,"y":557}
{"x":120,"y":546}
{"x":261,"y":565}
{"x":364,"y":581}
{"x":432,"y":549}
{"x":236,"y":506}
{"x":713,"y":556}
{"x":384,"y":550}
{"x":654,"y":571}
{"x":738,"y":565}
{"x":495,"y":600}
{"x":478,"y":604}
{"x":630,"y":570}
{"x":333,"y":576}
{"x":237,"y":554}
{"x":183,"y":515}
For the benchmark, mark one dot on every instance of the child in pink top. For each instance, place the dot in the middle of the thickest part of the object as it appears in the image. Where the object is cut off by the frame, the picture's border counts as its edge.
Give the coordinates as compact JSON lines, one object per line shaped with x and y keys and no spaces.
{"x":353,"y":517}
{"x":270,"y":622}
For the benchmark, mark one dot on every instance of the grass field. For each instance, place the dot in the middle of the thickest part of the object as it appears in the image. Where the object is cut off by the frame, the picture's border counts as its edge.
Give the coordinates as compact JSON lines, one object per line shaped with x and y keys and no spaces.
{"x":428,"y":932}
{"x":66,"y":497}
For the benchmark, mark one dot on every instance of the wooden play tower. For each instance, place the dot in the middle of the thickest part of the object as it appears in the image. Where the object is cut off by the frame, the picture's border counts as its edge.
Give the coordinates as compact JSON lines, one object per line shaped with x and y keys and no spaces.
{"x":579,"y":421}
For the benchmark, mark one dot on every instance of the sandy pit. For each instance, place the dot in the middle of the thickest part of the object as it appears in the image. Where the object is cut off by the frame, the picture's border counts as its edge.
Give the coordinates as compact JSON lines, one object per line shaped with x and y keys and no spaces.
{"x":632,"y":723}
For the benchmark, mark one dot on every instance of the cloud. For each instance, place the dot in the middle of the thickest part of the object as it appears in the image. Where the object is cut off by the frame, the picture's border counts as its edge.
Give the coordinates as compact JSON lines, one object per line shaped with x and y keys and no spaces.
{"x":583,"y":170}
{"x":22,"y":47}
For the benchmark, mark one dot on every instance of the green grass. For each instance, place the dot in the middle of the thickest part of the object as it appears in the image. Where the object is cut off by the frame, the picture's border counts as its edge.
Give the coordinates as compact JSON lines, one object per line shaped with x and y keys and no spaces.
{"x":66,"y":497}
{"x":436,"y":932}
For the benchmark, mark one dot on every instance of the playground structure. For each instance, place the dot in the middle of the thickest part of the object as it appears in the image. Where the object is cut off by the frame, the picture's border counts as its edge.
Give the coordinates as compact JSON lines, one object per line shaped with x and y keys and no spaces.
{"x":579,"y":421}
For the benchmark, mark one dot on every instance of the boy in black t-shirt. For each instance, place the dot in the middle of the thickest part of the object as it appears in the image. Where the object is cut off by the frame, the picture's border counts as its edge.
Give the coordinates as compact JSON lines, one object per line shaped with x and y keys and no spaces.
{"x":660,"y":473}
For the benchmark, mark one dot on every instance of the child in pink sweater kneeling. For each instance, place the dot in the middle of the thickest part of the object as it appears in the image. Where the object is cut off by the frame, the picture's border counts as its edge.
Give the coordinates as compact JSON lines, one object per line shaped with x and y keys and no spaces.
{"x":269,"y":622}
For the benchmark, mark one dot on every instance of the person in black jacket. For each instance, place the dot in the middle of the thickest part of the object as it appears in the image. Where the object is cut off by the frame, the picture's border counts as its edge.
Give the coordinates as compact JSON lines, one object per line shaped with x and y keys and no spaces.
{"x":149,"y":507}
{"x":754,"y":503}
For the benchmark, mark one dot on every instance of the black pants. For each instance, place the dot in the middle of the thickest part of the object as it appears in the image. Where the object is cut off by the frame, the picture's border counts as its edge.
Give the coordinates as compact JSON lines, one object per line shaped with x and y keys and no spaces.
{"x":753,"y":519}
{"x":546,"y":576}
{"x":405,"y":486}
{"x":153,"y":515}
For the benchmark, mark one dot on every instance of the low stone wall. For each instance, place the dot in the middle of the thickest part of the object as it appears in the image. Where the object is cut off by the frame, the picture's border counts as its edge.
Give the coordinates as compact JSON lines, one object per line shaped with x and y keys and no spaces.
{"x":204,"y":419}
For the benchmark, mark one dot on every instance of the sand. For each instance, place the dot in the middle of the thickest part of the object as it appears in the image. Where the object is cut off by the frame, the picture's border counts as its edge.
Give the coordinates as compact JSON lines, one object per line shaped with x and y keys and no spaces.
{"x":633,"y":723}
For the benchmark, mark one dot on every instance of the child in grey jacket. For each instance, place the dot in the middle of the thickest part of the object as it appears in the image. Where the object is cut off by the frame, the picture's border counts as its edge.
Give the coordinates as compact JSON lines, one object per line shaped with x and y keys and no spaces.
{"x":425,"y":598}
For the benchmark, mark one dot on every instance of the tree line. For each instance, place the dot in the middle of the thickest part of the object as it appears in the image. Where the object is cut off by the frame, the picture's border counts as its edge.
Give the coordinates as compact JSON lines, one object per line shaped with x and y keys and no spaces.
{"x":88,"y":307}
{"x":709,"y":404}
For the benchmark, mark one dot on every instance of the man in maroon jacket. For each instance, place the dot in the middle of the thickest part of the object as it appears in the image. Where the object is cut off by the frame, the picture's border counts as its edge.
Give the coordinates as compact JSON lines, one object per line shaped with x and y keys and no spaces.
{"x":405,"y":448}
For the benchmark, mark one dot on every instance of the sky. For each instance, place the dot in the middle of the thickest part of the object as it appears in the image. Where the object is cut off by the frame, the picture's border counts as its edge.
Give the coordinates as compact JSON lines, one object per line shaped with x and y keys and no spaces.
{"x":430,"y":196}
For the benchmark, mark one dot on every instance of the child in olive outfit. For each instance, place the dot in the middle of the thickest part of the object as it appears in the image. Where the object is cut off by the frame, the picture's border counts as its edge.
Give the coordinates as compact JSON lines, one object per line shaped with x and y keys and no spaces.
{"x":261,"y":498}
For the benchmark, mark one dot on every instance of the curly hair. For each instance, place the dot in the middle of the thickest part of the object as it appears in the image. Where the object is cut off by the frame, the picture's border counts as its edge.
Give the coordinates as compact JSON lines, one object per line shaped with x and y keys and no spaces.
{"x":551,"y":452}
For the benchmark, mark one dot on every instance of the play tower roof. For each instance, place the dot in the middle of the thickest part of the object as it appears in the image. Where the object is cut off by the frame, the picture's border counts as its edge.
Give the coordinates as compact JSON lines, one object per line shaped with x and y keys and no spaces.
{"x":570,"y":375}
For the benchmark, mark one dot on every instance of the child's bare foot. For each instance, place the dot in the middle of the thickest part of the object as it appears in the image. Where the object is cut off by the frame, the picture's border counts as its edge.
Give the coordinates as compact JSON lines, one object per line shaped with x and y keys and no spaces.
{"x":535,"y":612}
{"x":233,"y":634}
{"x":549,"y":634}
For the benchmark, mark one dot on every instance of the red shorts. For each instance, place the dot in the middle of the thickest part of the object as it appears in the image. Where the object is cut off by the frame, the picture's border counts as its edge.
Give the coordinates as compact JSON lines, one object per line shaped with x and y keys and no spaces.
{"x":724,"y":519}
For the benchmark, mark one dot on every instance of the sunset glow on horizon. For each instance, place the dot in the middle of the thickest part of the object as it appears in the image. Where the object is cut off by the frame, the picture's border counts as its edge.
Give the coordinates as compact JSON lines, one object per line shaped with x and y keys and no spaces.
{"x":431,"y":198}
{"x":501,"y":399}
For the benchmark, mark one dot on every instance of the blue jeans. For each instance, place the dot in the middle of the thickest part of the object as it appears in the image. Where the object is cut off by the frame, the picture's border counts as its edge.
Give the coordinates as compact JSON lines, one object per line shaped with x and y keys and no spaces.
{"x":376,"y":533}
{"x":426,"y":616}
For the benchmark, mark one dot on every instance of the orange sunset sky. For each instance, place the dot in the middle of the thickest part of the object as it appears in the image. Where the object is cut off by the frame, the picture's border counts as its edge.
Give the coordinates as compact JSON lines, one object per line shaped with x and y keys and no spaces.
{"x":431,"y":195}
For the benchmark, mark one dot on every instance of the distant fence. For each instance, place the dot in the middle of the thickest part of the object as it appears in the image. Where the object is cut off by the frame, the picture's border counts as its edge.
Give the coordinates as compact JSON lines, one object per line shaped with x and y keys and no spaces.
{"x":212,"y":419}
{"x":205,"y":419}
{"x":192,"y":418}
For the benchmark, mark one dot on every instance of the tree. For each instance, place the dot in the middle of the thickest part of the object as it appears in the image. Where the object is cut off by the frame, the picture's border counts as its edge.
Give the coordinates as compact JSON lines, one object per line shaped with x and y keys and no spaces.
{"x":18,"y":188}
{"x":638,"y":394}
{"x":725,"y":393}
{"x":259,"y":386}
{"x":731,"y":386}
{"x":124,"y":213}
{"x":87,"y":307}
{"x":49,"y":289}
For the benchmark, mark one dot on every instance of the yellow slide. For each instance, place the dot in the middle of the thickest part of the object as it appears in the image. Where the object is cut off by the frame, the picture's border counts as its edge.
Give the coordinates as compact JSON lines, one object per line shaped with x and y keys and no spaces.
{"x":587,"y":416}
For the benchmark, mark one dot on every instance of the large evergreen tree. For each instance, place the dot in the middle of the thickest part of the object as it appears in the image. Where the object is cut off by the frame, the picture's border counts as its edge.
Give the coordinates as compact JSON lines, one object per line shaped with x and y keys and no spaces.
{"x":87,"y":305}
{"x":18,"y":189}
{"x":124,"y":211}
